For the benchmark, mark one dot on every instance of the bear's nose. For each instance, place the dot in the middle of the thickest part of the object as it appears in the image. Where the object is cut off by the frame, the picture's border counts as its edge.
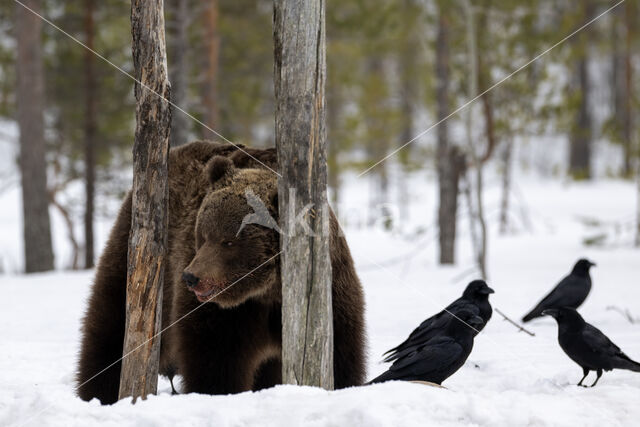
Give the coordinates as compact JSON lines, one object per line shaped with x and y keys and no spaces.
{"x":190,"y":279}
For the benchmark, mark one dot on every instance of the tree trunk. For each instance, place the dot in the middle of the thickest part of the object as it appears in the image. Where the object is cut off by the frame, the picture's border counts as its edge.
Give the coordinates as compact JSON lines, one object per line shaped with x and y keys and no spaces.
{"x":581,"y":134}
{"x":630,"y":22}
{"x":617,"y":61}
{"x":408,"y":91}
{"x":638,"y":203}
{"x":377,"y":139}
{"x":580,"y":150}
{"x":179,"y":70}
{"x":210,"y":89}
{"x":484,"y":82}
{"x":447,"y":158}
{"x":627,"y":102}
{"x":89,"y":134}
{"x":148,"y":238}
{"x":507,"y":162}
{"x":33,"y":168}
{"x":307,"y":319}
{"x":621,"y":81}
{"x":478,"y":223}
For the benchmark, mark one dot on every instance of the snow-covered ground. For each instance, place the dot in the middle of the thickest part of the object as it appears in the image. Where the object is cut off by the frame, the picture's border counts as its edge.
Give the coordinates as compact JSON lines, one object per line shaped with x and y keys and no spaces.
{"x":511,"y":378}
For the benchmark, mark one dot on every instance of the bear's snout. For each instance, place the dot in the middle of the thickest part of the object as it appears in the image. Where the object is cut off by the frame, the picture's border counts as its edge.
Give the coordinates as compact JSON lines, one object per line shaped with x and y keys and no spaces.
{"x":190,"y":279}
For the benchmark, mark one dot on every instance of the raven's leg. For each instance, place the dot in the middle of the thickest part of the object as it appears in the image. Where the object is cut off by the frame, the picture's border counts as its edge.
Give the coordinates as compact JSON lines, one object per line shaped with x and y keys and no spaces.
{"x":599,"y":375}
{"x":585,"y":371}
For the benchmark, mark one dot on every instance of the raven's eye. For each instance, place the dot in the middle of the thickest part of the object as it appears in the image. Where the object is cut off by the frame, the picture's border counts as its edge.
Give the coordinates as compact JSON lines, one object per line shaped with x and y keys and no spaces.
{"x":227,"y":243}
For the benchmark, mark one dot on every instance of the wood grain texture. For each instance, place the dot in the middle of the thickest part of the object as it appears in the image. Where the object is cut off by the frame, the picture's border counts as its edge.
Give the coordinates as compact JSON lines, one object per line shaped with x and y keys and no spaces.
{"x":148,"y":238}
{"x":307,"y":318}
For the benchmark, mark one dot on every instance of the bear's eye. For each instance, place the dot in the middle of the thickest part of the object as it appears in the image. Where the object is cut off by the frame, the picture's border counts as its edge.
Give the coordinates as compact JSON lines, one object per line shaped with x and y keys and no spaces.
{"x":227,"y":243}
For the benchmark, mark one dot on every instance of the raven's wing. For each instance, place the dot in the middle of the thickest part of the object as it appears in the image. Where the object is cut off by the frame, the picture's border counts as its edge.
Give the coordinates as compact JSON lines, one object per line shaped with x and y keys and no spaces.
{"x":426,"y":324}
{"x":430,"y":328}
{"x":605,"y":352}
{"x":599,"y":343}
{"x":441,"y":353}
{"x":570,"y":292}
{"x":440,"y":321}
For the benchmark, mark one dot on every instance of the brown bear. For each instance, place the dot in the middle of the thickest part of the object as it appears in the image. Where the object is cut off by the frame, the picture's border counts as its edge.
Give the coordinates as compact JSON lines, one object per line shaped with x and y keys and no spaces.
{"x":232,"y":341}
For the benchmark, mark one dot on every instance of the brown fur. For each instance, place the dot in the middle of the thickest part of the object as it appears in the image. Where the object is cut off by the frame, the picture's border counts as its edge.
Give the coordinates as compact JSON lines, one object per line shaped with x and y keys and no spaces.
{"x":232,"y":343}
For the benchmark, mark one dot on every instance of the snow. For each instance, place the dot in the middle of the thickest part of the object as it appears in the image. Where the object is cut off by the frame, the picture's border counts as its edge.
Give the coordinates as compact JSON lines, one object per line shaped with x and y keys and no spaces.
{"x":510,"y":379}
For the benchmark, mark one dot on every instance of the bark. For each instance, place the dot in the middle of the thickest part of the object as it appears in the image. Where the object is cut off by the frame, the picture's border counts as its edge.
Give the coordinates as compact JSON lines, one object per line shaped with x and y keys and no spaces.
{"x":617,"y":61}
{"x":210,"y":89}
{"x":89,"y":134}
{"x":621,"y":75}
{"x":148,"y":237}
{"x":300,"y":68}
{"x":580,"y":150}
{"x":378,"y":141}
{"x":33,"y":168}
{"x":408,"y":57}
{"x":630,"y":22}
{"x":179,"y":70}
{"x":507,"y":163}
{"x":638,"y":203}
{"x":449,"y":160}
{"x":484,"y":81}
{"x":627,"y":104}
{"x":581,"y":136}
{"x":477,"y":219}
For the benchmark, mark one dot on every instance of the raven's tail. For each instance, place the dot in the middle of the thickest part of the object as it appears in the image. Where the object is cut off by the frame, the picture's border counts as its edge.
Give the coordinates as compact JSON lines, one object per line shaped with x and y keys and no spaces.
{"x":384,"y":377}
{"x":625,"y":362}
{"x":390,"y":351}
{"x":536,"y":312}
{"x":390,"y":355}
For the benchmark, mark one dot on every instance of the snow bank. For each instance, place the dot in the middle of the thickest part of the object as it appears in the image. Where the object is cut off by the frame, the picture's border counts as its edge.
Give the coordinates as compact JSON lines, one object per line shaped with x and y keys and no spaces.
{"x":511,"y":379}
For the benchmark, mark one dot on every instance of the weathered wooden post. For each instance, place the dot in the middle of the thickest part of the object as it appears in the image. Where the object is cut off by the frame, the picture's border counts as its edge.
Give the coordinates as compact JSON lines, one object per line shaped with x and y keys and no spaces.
{"x":148,"y":238}
{"x":307,"y":319}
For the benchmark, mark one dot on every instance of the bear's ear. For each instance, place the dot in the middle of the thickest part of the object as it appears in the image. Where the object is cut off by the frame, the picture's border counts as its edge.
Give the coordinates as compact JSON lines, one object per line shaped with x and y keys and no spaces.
{"x":240,"y":159}
{"x":219,"y":167}
{"x":255,"y":158}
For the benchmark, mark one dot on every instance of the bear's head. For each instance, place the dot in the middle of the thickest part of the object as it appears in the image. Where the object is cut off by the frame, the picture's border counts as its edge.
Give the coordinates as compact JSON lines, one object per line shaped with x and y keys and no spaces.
{"x":236,"y":237}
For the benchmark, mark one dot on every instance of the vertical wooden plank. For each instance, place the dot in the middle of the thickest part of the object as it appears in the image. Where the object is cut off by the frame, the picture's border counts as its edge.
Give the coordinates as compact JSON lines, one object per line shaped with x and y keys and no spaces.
{"x":148,"y":238}
{"x":307,"y":319}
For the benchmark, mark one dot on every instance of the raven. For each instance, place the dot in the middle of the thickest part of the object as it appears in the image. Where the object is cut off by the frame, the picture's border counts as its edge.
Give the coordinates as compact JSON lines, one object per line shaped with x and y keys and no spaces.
{"x":570,"y":292}
{"x":475,"y":298}
{"x":440,"y":357}
{"x":587,"y":346}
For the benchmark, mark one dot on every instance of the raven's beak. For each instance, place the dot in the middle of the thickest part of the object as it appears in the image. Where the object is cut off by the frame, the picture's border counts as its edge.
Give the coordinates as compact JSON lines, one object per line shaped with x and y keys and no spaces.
{"x":593,"y":264}
{"x":476,"y":321}
{"x":487,"y":291}
{"x":550,"y":312}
